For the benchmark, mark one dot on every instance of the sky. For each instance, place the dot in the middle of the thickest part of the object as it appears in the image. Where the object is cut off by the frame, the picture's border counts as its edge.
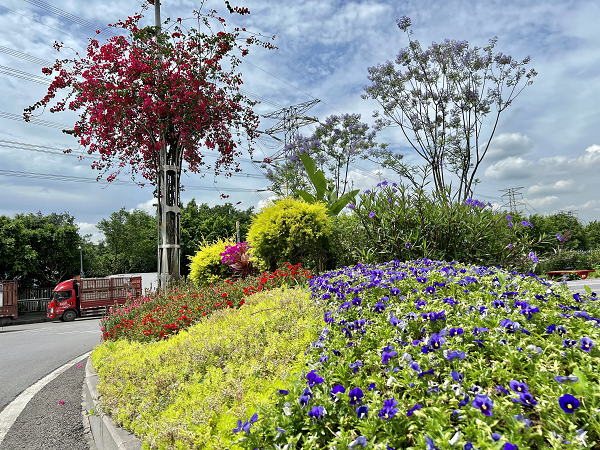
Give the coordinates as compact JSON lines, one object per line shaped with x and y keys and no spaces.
{"x":546,"y":143}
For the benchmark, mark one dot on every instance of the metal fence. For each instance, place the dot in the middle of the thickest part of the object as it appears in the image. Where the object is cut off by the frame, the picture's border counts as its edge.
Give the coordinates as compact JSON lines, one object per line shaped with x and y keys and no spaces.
{"x":35,"y":293}
{"x":33,"y":305}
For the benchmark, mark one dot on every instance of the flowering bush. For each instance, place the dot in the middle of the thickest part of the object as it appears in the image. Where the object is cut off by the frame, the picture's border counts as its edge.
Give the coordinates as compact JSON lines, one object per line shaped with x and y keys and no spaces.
{"x":402,"y":223}
{"x":237,"y":257}
{"x":434,"y":355}
{"x":162,"y":315}
{"x":206,"y":266}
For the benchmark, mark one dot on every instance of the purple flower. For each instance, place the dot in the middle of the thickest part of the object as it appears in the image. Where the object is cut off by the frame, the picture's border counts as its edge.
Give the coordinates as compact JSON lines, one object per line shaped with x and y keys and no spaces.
{"x":359,"y":441}
{"x":559,"y":237}
{"x":484,"y":404}
{"x":453,"y":354}
{"x":430,"y":444}
{"x":533,"y":257}
{"x":385,"y":357}
{"x":518,"y":387}
{"x":313,"y":378}
{"x":568,"y":403}
{"x":436,"y":341}
{"x":316,"y":413}
{"x":389,"y":409}
{"x":562,"y":379}
{"x":283,"y":391}
{"x":355,"y":366}
{"x":509,"y":218}
{"x":510,"y":224}
{"x":509,"y":446}
{"x":356,"y":301}
{"x":411,"y":411}
{"x":403,"y":23}
{"x":586,"y":344}
{"x":526,"y":399}
{"x":246,"y":425}
{"x":337,"y":389}
{"x":355,"y":396}
{"x":458,"y":377}
{"x":527,"y":224}
{"x":496,"y":437}
{"x":455,"y":332}
{"x":427,"y":372}
{"x":362,"y":412}
{"x":371,"y":215}
{"x":568,"y":343}
{"x":464,"y":401}
{"x":551,"y":328}
{"x":503,"y":390}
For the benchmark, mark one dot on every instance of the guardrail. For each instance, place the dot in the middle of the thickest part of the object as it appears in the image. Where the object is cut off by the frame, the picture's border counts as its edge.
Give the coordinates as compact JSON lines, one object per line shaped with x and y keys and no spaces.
{"x":33,"y":304}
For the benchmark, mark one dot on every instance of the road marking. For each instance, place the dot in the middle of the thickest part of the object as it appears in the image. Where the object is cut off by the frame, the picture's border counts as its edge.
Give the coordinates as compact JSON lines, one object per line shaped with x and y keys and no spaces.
{"x":10,"y":414}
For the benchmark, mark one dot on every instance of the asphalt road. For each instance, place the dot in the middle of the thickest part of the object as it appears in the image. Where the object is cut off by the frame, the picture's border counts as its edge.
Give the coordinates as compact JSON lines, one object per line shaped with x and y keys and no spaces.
{"x":30,"y":352}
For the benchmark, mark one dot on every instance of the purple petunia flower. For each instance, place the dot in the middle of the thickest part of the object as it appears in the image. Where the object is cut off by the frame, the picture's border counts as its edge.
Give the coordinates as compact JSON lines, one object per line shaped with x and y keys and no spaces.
{"x":389,"y":409}
{"x":355,"y":395}
{"x":411,"y":411}
{"x":484,"y":404}
{"x":568,"y":403}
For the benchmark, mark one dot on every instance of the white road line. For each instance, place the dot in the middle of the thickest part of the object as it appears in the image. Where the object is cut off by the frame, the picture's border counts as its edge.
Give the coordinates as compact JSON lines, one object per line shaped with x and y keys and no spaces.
{"x":10,"y":414}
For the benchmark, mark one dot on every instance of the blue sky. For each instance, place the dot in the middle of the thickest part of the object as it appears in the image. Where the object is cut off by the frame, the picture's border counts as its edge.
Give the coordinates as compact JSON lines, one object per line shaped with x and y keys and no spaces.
{"x":547,"y":142}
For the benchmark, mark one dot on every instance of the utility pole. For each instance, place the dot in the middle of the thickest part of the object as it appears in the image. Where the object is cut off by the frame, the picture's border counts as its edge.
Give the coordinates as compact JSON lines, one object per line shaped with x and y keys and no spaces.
{"x":512,"y":203}
{"x":169,"y":209}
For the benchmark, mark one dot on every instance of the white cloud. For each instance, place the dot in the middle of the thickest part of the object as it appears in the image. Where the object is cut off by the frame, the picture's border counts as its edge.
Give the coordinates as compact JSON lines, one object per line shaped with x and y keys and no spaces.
{"x":506,"y":145}
{"x":511,"y":168}
{"x":561,"y":186}
{"x":149,"y":206}
{"x":591,"y":205}
{"x":543,"y":203}
{"x":90,"y":228}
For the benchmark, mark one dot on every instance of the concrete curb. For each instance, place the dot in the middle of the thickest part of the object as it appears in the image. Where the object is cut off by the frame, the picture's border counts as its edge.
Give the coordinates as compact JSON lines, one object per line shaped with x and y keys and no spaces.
{"x":107,"y":436}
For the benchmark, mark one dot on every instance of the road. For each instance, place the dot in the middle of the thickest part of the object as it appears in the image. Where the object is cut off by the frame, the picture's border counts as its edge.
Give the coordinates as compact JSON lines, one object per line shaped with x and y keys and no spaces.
{"x":27,"y":354}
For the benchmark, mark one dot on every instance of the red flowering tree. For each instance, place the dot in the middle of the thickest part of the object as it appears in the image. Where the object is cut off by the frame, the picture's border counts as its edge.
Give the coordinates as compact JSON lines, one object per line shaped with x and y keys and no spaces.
{"x":150,"y":100}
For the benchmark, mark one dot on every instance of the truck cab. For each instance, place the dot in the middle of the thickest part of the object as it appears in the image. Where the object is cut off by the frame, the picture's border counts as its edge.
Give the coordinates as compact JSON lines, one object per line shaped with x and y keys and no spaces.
{"x":64,"y":302}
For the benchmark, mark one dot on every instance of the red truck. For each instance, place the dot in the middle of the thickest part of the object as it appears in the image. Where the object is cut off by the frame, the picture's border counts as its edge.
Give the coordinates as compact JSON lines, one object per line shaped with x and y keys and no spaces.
{"x":90,"y":296}
{"x":9,"y":308}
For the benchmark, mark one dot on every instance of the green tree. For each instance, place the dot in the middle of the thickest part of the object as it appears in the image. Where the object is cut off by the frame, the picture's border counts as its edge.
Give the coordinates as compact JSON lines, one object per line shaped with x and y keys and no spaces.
{"x":130,"y":242}
{"x":592,"y":230}
{"x":39,"y":250}
{"x":200,"y":223}
{"x":559,"y":224}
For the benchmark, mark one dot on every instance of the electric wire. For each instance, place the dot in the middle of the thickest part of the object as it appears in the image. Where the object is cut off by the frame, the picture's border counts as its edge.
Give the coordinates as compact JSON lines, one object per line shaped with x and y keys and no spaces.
{"x":25,"y":56}
{"x":40,"y":22}
{"x":74,"y":179}
{"x":66,"y":15}
{"x":35,"y":121}
{"x":24,"y":75}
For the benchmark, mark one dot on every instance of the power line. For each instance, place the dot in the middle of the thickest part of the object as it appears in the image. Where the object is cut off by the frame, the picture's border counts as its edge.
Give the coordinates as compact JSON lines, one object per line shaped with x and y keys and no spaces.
{"x":25,"y":56}
{"x":24,"y":75}
{"x":74,"y":179}
{"x":61,"y":13}
{"x":512,"y":194}
{"x":40,"y":22}
{"x":33,"y":120}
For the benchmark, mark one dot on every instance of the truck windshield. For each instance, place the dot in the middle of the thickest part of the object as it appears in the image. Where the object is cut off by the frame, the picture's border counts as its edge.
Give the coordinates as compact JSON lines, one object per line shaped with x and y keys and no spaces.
{"x":59,"y":296}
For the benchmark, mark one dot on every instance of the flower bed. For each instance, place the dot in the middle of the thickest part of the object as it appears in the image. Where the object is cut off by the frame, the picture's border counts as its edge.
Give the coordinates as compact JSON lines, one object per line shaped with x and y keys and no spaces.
{"x":435,"y":355}
{"x":162,"y":315}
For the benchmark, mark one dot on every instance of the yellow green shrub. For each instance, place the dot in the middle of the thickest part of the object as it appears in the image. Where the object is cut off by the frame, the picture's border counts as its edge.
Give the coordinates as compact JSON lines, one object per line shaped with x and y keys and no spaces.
{"x":291,"y":231}
{"x":206,"y":266}
{"x":189,"y":392}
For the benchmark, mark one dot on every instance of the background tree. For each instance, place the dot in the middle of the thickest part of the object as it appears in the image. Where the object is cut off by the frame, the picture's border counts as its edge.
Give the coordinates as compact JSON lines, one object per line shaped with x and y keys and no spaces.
{"x":154,"y":98}
{"x":39,"y":250}
{"x":334,"y":146}
{"x":592,"y":230}
{"x":129,"y":244}
{"x":200,"y":223}
{"x":440,"y":98}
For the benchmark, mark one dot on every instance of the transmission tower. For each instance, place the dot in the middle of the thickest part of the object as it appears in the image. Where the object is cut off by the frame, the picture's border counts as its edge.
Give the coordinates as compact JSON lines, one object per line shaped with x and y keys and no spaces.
{"x":570,"y":213}
{"x":290,"y":120}
{"x":513,"y":194}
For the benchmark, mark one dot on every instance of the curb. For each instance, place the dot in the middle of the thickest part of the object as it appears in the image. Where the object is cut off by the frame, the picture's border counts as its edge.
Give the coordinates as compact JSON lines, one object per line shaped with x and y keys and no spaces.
{"x":106,"y":435}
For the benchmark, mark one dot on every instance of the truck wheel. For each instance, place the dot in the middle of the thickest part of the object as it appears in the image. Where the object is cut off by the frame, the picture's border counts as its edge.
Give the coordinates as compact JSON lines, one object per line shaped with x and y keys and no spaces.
{"x":69,"y":316}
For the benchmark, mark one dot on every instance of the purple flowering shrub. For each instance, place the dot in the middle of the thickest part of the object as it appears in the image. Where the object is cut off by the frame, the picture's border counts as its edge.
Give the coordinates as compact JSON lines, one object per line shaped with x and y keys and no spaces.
{"x":237,"y":257}
{"x":438,"y":355}
{"x":408,"y":223}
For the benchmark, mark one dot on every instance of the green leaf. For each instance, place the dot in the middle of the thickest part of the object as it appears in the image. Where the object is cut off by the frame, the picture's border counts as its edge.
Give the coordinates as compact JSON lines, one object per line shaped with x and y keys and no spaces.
{"x":306,"y":196}
{"x":588,"y":289}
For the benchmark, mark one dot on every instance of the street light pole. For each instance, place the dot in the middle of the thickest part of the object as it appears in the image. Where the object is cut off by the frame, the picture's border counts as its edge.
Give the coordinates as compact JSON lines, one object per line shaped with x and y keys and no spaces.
{"x":81,"y":275}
